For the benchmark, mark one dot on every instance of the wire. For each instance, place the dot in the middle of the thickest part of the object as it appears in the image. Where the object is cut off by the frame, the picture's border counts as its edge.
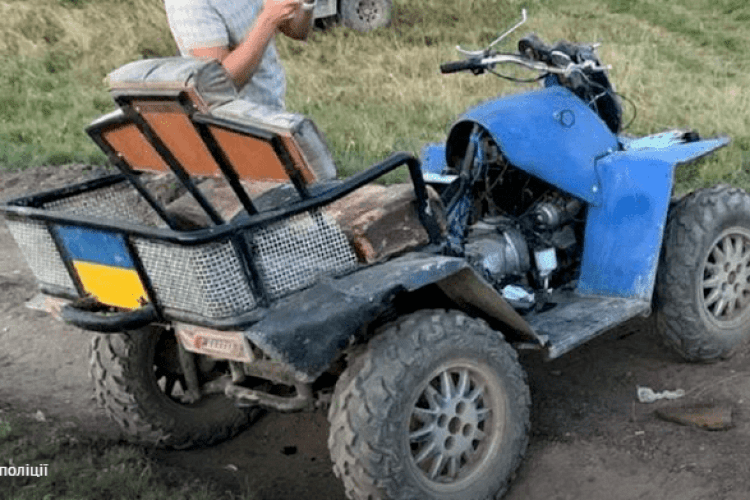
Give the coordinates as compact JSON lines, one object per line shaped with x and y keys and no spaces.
{"x":517,"y":80}
{"x":592,"y":84}
{"x":635,"y":109}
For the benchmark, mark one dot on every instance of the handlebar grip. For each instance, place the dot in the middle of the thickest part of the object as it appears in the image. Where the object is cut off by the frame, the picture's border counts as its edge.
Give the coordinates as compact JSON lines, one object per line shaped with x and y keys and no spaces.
{"x":465,"y":65}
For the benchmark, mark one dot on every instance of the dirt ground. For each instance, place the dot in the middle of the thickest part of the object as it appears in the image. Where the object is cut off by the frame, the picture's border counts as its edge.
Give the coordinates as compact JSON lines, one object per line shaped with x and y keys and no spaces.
{"x":590,"y":438}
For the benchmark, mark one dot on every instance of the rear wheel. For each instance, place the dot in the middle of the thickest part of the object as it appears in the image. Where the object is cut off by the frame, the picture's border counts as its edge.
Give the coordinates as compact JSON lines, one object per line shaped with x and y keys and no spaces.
{"x":139,"y":383}
{"x":365,"y":15}
{"x":703,"y":282}
{"x":438,"y":407}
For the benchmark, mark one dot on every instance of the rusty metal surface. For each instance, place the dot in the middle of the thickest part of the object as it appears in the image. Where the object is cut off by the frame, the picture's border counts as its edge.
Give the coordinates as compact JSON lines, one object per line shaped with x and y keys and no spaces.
{"x":302,"y":401}
{"x":244,"y":396}
{"x":187,"y":361}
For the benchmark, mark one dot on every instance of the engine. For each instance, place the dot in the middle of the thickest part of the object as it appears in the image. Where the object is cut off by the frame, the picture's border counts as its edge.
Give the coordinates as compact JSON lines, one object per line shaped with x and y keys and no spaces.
{"x":524,"y":232}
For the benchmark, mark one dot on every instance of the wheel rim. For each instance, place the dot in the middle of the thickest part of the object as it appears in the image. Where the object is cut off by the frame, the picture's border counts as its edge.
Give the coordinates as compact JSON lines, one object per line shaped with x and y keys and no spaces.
{"x":456,"y":424}
{"x":726,"y":278}
{"x":368,"y":11}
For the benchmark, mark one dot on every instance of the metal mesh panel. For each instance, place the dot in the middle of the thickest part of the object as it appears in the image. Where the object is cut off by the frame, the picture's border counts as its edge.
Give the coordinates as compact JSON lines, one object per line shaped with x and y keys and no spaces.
{"x":294,"y":253}
{"x":117,"y":202}
{"x":40,"y":252}
{"x":207,"y":280}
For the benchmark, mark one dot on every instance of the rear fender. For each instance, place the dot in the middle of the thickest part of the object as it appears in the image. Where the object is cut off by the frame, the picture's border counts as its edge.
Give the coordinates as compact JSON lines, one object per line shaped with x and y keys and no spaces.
{"x":306,"y":331}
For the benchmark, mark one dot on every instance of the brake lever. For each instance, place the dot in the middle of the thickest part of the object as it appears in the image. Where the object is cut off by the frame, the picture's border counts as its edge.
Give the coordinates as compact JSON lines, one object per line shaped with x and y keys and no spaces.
{"x":486,"y":52}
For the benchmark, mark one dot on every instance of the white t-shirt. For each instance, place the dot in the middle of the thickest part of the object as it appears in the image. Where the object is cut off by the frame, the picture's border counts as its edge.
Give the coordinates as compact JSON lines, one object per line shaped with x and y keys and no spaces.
{"x":225,"y":23}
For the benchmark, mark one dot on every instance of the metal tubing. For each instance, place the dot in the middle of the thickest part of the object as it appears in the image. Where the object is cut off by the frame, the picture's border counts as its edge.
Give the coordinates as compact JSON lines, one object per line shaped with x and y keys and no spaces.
{"x":238,"y":374}
{"x":226,"y":168}
{"x":158,"y":208}
{"x":112,"y":323}
{"x":95,"y":134}
{"x":257,"y":285}
{"x":212,"y":234}
{"x":145,"y":278}
{"x":67,"y":261}
{"x":39,"y":199}
{"x":293,"y":174}
{"x":426,"y":217}
{"x":235,"y":230}
{"x":190,"y":371}
{"x":302,"y":401}
{"x":174,"y":164}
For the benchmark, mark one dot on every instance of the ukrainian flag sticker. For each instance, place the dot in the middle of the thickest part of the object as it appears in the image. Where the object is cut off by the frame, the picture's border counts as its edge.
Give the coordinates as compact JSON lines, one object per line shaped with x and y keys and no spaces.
{"x":104,"y":266}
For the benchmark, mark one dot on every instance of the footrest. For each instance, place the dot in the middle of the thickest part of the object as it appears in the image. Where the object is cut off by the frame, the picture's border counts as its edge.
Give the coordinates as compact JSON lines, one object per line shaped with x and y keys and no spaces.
{"x":576,"y":320}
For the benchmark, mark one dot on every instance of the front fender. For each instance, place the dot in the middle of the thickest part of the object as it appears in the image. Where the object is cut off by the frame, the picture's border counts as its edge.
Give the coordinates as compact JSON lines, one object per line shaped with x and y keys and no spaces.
{"x":624,"y":234}
{"x":548,"y":133}
{"x":307,"y":330}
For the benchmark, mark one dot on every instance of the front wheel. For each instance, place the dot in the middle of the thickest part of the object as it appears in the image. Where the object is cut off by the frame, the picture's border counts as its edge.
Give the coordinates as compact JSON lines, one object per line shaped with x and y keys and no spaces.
{"x":703,"y":282}
{"x":438,"y":407}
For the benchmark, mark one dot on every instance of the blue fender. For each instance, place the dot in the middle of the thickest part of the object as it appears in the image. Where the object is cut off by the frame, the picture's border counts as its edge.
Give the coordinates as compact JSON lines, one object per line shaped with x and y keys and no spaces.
{"x":549,"y":133}
{"x":627,"y":183}
{"x":624,"y":234}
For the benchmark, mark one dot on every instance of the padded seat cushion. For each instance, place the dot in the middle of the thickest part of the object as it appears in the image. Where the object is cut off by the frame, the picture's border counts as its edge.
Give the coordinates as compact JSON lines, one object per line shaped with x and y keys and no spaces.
{"x":208,"y":77}
{"x":214,"y":94}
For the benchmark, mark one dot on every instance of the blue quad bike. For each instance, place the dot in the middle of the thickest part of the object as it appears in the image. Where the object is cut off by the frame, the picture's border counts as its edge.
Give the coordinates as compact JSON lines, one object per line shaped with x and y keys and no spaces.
{"x":266,"y":282}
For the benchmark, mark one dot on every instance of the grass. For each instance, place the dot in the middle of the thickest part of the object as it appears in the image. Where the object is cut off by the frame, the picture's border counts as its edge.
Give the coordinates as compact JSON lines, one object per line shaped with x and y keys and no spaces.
{"x":82,"y":468}
{"x":682,"y":63}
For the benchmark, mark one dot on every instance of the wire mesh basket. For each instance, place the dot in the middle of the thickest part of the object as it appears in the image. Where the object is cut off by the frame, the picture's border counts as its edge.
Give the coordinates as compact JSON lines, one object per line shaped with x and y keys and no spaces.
{"x":221,"y":273}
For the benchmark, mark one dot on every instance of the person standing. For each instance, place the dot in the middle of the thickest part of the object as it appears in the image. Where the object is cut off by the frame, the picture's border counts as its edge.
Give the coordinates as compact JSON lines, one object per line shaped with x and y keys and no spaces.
{"x":241,"y":35}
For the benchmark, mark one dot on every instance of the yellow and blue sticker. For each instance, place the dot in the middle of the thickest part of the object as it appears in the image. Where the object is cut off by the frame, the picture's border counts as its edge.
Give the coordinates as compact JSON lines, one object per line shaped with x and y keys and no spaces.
{"x":104,"y":266}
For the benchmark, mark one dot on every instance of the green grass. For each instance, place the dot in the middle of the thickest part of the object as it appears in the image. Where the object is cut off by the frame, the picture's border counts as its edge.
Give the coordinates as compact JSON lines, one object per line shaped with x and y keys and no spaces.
{"x":682,"y":63}
{"x":82,"y":468}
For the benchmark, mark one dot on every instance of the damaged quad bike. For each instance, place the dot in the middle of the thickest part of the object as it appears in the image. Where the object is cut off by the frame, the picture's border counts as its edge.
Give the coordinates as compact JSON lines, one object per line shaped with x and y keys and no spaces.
{"x":271,"y":284}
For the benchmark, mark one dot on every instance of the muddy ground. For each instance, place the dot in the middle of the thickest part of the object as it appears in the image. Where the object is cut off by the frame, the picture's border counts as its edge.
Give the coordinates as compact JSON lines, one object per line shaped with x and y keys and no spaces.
{"x":590,"y":438}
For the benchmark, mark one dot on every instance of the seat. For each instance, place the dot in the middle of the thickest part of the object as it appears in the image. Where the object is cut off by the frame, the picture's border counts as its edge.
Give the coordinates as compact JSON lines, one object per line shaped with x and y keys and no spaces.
{"x":181,"y":116}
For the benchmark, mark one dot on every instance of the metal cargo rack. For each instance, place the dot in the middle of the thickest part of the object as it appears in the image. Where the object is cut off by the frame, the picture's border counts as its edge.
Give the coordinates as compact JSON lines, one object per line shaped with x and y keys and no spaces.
{"x":88,"y":243}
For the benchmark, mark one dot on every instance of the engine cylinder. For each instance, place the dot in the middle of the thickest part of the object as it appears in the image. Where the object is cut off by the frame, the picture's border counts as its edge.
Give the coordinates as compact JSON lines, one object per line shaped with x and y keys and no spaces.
{"x":502,"y":255}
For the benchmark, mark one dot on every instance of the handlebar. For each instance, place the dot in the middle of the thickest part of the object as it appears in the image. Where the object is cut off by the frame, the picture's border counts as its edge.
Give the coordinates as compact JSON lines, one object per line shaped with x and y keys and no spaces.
{"x":478,"y":65}
{"x":576,"y":66}
{"x":473,"y":64}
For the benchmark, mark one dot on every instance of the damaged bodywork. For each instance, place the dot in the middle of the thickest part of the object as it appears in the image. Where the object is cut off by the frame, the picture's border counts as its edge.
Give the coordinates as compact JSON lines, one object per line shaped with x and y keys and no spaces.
{"x":308,"y":330}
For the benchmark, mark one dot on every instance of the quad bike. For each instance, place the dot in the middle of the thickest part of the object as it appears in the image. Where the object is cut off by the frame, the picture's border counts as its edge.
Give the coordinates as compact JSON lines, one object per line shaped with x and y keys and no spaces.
{"x":266,"y":282}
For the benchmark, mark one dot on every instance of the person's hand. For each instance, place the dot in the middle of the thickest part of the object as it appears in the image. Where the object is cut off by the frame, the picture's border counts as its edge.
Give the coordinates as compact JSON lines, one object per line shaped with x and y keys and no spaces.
{"x":280,"y":11}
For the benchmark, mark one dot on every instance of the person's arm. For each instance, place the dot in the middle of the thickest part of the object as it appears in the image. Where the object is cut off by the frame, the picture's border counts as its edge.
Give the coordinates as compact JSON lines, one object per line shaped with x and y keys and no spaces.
{"x":242,"y":62}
